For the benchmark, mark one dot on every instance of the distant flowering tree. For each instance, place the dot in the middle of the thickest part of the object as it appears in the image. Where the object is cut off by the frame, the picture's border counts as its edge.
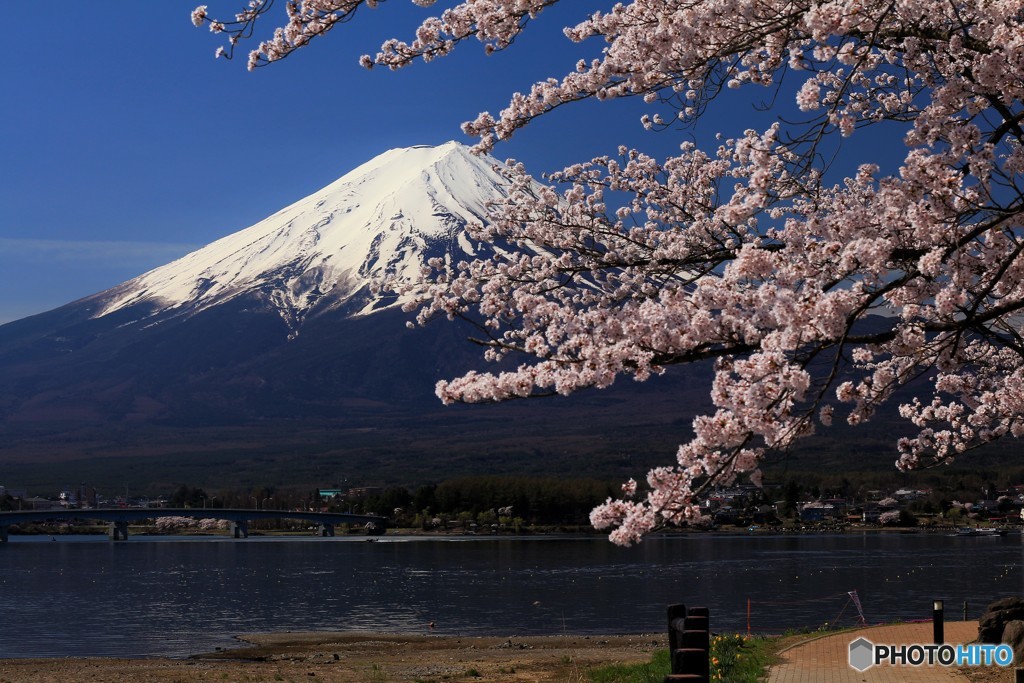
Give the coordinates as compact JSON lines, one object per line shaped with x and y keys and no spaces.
{"x":756,"y":254}
{"x":177,"y":523}
{"x":890,"y":517}
{"x":174,"y":523}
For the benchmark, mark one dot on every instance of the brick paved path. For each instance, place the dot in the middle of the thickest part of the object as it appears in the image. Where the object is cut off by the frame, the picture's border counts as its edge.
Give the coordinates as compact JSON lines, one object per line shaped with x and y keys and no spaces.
{"x":826,"y":660}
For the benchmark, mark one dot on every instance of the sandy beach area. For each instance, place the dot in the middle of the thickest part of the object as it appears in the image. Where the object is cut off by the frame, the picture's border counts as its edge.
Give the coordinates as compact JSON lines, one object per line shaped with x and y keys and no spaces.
{"x":357,"y":658}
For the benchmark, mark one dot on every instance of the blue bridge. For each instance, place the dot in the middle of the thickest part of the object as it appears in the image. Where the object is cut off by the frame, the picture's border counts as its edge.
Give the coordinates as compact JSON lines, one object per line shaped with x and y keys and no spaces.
{"x":238,"y":519}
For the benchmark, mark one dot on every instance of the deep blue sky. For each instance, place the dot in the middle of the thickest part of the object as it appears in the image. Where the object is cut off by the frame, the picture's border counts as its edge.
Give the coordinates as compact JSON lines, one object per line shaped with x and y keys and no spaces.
{"x":126,"y":144}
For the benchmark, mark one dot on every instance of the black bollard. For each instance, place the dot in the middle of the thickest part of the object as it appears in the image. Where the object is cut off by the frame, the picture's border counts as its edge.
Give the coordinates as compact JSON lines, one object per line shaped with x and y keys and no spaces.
{"x":937,"y":623}
{"x":689,"y":644}
{"x":676,"y":625}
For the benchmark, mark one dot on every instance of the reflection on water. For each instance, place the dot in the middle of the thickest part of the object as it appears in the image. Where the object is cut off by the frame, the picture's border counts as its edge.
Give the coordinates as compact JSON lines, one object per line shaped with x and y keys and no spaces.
{"x":178,"y":596}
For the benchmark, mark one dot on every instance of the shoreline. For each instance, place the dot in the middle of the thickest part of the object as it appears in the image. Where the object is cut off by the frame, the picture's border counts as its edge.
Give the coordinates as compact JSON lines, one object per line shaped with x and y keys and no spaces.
{"x":146,"y":532}
{"x":357,"y":657}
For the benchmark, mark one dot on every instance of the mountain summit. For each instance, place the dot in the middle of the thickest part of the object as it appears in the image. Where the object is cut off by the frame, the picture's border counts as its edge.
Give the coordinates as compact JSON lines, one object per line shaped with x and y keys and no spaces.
{"x":386,"y":217}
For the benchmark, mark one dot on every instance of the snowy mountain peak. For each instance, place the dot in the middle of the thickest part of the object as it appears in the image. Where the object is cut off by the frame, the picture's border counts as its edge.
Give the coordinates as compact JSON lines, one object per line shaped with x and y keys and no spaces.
{"x":385,"y":217}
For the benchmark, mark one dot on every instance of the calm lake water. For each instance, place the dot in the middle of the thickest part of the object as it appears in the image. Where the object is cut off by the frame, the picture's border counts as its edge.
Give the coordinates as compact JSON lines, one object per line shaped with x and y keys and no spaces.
{"x":86,"y":596}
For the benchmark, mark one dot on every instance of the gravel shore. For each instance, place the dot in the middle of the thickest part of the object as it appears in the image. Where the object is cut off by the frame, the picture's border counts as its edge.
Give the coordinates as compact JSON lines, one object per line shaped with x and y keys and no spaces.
{"x":357,"y":658}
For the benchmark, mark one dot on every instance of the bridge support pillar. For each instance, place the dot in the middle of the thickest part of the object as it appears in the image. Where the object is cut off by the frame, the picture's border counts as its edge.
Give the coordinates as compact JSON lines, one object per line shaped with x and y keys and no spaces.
{"x":326,"y":530}
{"x":118,"y":531}
{"x":3,"y":534}
{"x":240,"y":528}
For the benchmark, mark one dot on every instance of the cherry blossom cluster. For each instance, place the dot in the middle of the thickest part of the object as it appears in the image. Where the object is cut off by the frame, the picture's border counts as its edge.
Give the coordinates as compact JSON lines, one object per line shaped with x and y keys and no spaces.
{"x":889,"y":517}
{"x":306,"y":20}
{"x":496,"y":23}
{"x":813,"y":298}
{"x":174,"y":523}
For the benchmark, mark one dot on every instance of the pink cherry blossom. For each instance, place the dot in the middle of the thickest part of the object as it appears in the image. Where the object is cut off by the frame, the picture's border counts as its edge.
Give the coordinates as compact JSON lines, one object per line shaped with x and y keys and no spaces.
{"x":808,"y":293}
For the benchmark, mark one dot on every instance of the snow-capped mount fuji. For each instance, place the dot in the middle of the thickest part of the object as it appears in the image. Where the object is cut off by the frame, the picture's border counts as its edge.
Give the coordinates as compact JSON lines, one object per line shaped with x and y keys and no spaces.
{"x":384,"y":218}
{"x":270,"y":346}
{"x":280,"y":318}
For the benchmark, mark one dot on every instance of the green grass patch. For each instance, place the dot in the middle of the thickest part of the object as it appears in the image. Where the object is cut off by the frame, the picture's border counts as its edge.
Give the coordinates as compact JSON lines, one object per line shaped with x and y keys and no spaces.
{"x":653,"y":671}
{"x":734,"y":659}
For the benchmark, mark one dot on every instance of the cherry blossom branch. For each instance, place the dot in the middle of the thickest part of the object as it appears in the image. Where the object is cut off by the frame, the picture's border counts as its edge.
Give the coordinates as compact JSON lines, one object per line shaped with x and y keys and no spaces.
{"x":808,"y":295}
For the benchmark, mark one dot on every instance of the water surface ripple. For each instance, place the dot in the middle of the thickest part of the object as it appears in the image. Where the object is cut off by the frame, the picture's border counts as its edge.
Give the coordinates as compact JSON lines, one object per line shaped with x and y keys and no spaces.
{"x":173,"y":596}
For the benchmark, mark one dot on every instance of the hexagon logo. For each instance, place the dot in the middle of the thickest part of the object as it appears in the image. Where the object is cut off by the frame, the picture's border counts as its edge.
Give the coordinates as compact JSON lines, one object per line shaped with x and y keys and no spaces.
{"x":862,"y":654}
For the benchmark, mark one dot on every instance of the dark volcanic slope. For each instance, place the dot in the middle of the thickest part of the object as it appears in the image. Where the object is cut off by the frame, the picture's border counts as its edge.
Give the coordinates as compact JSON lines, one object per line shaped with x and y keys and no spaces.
{"x":225,"y":398}
{"x":227,"y":384}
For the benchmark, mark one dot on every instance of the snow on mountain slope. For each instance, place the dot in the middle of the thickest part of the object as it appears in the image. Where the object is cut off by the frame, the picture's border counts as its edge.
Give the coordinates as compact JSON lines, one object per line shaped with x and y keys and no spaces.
{"x":385,"y":217}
